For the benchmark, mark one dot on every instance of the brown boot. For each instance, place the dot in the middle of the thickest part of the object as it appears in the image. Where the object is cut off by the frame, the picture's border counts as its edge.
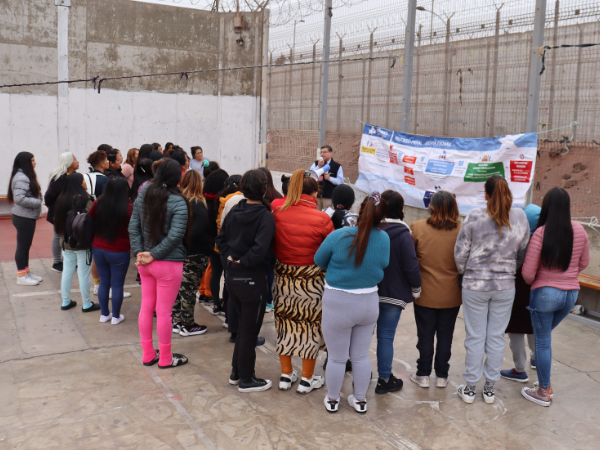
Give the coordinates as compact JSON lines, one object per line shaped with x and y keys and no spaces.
{"x":541,"y":395}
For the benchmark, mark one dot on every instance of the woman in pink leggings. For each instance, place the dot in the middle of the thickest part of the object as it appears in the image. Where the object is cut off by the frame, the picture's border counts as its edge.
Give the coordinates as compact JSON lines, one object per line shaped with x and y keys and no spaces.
{"x":157,"y":231}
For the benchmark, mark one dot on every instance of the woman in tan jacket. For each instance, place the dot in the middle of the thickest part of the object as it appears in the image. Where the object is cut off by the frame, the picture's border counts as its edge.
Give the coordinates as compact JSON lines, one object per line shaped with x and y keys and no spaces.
{"x":437,"y":307}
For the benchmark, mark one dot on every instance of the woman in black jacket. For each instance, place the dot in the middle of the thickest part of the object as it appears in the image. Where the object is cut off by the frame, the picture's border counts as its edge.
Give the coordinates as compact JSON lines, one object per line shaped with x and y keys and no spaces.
{"x":245,"y":243}
{"x":401,"y":284}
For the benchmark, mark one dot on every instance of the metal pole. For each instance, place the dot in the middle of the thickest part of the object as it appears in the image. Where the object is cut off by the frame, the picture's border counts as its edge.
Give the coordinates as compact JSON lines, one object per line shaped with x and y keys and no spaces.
{"x":495,"y":74}
{"x":446,"y":83}
{"x":325,"y":73}
{"x":312,"y":85}
{"x":535,"y":66}
{"x":409,"y":50}
{"x":370,"y":79}
{"x":578,"y":79}
{"x":265,"y":87}
{"x":431,"y":25}
{"x":553,"y":68}
{"x":339,"y":92}
{"x":63,"y":74}
{"x":418,"y":79}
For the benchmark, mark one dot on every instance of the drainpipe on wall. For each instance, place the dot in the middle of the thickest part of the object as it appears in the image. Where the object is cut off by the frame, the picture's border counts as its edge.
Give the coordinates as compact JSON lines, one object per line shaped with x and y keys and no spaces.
{"x":62,"y":48}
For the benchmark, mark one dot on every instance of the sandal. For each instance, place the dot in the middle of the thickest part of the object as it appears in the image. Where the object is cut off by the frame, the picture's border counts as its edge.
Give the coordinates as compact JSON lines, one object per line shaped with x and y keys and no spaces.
{"x":177,"y":359}
{"x":154,"y":361}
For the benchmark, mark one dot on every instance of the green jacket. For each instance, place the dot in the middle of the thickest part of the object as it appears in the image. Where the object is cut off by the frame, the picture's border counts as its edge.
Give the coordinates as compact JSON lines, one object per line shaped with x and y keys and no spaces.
{"x":171,"y":246}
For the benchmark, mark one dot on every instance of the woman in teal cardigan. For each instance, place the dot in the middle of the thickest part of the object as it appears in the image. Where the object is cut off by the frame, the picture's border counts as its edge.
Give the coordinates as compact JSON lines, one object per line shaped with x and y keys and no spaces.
{"x":354,"y":258}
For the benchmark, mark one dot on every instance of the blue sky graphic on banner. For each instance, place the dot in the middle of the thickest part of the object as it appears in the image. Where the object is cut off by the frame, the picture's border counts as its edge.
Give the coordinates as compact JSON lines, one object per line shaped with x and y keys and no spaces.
{"x":418,"y":166}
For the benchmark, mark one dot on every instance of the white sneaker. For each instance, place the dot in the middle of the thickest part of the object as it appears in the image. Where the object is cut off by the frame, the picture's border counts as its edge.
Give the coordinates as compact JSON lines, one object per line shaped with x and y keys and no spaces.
{"x":331,"y":406}
{"x":225,"y":325}
{"x":96,"y":289}
{"x":176,"y":328}
{"x":25,"y":280}
{"x":35,"y":277}
{"x":117,"y":320}
{"x":125,"y":294}
{"x":441,"y":382}
{"x":360,"y":407}
{"x":468,"y":397}
{"x":104,"y":319}
{"x":421,"y":381}
{"x":489,"y":395}
{"x":286,"y":381}
{"x":306,"y":385}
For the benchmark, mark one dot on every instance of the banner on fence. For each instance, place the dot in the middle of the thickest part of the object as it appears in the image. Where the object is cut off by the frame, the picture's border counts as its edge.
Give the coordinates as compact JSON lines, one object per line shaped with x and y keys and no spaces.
{"x":418,"y":166}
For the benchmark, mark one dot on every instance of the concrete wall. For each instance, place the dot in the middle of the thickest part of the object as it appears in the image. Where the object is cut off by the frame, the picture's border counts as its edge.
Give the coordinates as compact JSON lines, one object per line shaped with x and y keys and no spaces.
{"x":218,"y":111}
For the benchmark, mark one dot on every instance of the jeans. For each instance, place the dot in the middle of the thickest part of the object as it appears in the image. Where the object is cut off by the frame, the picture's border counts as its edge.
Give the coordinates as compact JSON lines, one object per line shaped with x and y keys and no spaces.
{"x":25,"y":231}
{"x":72,"y":258}
{"x":548,"y":307}
{"x":112,"y":268}
{"x":431,"y":324}
{"x":56,"y":250}
{"x":389,"y":316}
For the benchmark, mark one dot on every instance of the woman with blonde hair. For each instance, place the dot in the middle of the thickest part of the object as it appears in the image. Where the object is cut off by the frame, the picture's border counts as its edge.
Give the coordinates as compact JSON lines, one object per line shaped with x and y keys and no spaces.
{"x":490,"y":247}
{"x":128,"y":167}
{"x":300,"y":229}
{"x":196,"y":259}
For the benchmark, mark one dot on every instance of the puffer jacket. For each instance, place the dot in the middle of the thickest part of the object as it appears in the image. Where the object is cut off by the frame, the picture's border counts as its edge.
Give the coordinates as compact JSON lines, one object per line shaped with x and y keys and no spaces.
{"x":25,"y":204}
{"x":299,"y":232}
{"x":171,"y":246}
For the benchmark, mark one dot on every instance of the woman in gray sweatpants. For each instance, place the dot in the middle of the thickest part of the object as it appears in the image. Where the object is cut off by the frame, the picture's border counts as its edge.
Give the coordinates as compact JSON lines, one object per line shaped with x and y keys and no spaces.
{"x":490,"y":247}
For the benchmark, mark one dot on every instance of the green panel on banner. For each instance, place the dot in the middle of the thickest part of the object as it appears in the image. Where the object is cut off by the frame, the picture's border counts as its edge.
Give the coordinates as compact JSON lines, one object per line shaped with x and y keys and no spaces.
{"x":480,"y":172}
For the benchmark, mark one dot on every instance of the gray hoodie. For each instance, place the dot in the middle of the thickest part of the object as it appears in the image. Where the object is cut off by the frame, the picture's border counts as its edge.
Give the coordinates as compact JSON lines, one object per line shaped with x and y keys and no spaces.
{"x":26,"y":205}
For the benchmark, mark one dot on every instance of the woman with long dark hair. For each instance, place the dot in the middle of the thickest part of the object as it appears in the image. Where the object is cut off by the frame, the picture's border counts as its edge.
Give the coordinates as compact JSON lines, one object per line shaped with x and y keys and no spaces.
{"x":491,"y":245}
{"x":67,"y":164}
{"x":354,"y":258}
{"x":25,"y":194}
{"x":558,"y":252}
{"x":157,"y":231}
{"x":196,"y":258}
{"x":437,"y":307}
{"x":245,"y":243}
{"x":300,"y":229}
{"x":142,"y":175}
{"x":342,"y":200}
{"x":73,"y":196}
{"x":111,"y":249}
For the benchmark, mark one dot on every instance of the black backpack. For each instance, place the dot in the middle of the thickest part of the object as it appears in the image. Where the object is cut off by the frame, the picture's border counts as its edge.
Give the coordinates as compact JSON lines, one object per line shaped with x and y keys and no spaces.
{"x":79,"y":229}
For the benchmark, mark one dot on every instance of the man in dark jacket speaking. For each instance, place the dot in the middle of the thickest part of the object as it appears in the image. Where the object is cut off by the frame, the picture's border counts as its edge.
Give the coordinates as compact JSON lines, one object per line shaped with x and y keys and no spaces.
{"x":331,"y":178}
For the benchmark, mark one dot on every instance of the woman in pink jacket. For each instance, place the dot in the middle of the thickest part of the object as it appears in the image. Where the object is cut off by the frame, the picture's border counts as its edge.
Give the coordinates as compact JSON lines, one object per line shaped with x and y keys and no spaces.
{"x":558,"y":251}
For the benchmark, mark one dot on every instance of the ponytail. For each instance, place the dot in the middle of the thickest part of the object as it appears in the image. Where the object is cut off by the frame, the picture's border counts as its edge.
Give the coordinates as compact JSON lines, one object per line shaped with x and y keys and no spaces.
{"x":300,"y":184}
{"x":499,"y":202}
{"x":372,"y":212}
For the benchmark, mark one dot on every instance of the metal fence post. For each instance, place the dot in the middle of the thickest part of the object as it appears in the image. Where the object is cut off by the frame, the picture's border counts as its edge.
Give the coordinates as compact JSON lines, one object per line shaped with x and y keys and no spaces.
{"x":446,"y":95}
{"x":339,"y":91}
{"x":312,"y":85}
{"x":535,"y":66}
{"x":264,"y":92}
{"x":578,"y":80}
{"x":553,"y":67}
{"x":369,"y":78}
{"x":485,"y":91}
{"x":495,"y":73}
{"x":418,"y":80}
{"x":325,"y":74}
{"x":409,"y":50}
{"x":63,"y":74}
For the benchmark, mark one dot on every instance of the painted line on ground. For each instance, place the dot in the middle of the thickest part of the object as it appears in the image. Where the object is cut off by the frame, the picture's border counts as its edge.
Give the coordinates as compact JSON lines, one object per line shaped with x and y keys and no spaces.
{"x":33,"y":294}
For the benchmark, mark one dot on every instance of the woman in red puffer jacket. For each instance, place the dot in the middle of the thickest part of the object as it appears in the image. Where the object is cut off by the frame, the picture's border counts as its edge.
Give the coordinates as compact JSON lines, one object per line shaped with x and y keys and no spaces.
{"x":298,"y":287}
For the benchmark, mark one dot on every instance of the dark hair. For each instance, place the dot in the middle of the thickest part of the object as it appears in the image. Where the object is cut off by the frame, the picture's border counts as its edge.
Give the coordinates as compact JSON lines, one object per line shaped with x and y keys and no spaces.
{"x":231,"y":185}
{"x":167,"y":145}
{"x":272,"y":193}
{"x":94,"y":159}
{"x":145,"y":151}
{"x":342,"y":200}
{"x":285,"y":184}
{"x":169,"y":152}
{"x":194,"y":149}
{"x":154,"y":212}
{"x":111,"y":209}
{"x":500,"y":200}
{"x":155,"y":155}
{"x":71,"y":195}
{"x":370,"y":217}
{"x":254,"y":186}
{"x":444,"y":211}
{"x":214,"y":183}
{"x":155,"y":146}
{"x":23,"y":162}
{"x":557,"y":245}
{"x":180,"y":157}
{"x":395,"y":204}
{"x":111,"y":155}
{"x":328,"y":147}
{"x":142,"y":173}
{"x":104,"y":147}
{"x":212,"y":167}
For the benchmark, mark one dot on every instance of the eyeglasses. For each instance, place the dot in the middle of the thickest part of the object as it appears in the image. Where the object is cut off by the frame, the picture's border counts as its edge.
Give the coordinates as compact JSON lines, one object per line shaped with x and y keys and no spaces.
{"x":324,"y":152}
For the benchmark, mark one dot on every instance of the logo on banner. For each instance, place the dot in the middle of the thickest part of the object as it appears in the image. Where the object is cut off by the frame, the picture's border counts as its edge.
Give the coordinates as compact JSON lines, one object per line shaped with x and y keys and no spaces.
{"x":443,"y":155}
{"x":372,"y":131}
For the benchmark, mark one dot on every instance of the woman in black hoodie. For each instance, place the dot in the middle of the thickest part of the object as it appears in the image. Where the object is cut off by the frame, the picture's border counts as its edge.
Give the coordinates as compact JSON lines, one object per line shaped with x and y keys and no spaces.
{"x":401,"y":284}
{"x":245,"y":243}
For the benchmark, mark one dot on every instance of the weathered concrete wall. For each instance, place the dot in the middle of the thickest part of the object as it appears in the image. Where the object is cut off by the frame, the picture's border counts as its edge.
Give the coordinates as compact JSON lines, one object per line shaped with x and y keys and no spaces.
{"x":218,"y":111}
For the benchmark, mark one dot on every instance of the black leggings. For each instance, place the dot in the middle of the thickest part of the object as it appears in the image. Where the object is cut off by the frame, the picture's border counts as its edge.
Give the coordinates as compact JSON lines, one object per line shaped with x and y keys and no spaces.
{"x":215,"y":278}
{"x":25,"y":231}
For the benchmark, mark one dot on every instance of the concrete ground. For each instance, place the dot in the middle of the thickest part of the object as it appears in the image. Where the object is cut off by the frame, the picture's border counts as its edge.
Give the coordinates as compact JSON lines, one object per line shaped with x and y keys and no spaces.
{"x":70,"y":382}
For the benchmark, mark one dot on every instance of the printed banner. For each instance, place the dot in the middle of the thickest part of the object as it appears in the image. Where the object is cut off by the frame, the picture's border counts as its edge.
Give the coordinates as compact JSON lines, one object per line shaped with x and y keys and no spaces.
{"x":418,"y":166}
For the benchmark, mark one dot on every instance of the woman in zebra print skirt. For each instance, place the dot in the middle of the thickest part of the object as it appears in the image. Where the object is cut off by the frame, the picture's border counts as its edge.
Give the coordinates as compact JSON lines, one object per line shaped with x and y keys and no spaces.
{"x":298,"y":287}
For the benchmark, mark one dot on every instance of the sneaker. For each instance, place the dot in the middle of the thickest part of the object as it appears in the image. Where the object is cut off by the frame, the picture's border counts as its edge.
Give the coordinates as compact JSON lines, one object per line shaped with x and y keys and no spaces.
{"x":35,"y":277}
{"x":260,"y":341}
{"x":201,"y":297}
{"x":421,"y":381}
{"x":176,"y":328}
{"x":177,"y":360}
{"x":532,"y":363}
{"x":96,"y":286}
{"x":104,"y":319}
{"x":225,"y":325}
{"x":117,"y":320}
{"x":331,"y":406}
{"x":306,"y":385}
{"x":233,"y":338}
{"x":57,"y":267}
{"x":512,"y":374}
{"x":193,"y":330}
{"x":538,"y":395}
{"x":536,"y":384}
{"x":360,"y":407}
{"x":269,"y":308}
{"x":25,"y":280}
{"x":441,"y":382}
{"x":393,"y":384}
{"x":207,"y":300}
{"x":489,"y":394}
{"x":234,"y":378}
{"x":218,"y":310}
{"x":468,"y":395}
{"x":94,"y":307}
{"x":254,"y":384}
{"x":69,"y":306}
{"x":286,"y":381}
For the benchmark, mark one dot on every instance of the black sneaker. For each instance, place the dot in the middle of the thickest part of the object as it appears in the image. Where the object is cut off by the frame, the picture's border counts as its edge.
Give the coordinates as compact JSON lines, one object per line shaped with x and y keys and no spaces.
{"x":260,"y":341}
{"x":218,"y":310}
{"x":192,"y":330}
{"x":201,"y":297}
{"x":254,"y":385}
{"x":234,"y":378}
{"x":392,"y":385}
{"x":57,"y":267}
{"x":94,"y":307}
{"x":207,"y":300}
{"x":233,"y":338}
